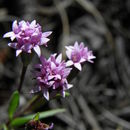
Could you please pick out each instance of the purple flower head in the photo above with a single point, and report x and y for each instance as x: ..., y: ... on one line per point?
x: 51, y: 76
x: 43, y: 126
x: 37, y: 125
x: 28, y: 36
x: 78, y: 54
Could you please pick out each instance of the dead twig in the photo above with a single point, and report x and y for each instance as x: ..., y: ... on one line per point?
x: 88, y: 114
x: 107, y: 114
x: 65, y: 24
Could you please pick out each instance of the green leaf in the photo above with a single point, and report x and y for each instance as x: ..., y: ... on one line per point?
x: 14, y: 102
x: 22, y: 120
x: 67, y: 94
x: 59, y: 95
x: 4, y: 127
x: 36, y: 118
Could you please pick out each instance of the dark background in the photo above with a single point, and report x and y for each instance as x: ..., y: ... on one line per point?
x: 100, y: 98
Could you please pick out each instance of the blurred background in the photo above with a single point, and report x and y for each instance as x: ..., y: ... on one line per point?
x: 100, y: 98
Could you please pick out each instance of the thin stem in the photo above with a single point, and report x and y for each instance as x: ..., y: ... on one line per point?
x: 22, y: 77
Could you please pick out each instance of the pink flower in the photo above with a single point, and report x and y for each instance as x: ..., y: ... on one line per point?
x: 78, y: 54
x: 51, y: 76
x: 37, y: 125
x: 28, y: 36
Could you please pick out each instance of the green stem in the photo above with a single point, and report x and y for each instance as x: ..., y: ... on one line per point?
x: 22, y: 77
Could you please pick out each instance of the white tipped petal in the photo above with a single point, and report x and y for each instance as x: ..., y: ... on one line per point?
x: 12, y: 37
x: 59, y: 58
x: 33, y: 23
x: 37, y: 50
x: 9, y: 44
x: 44, y: 40
x: 69, y: 86
x: 69, y: 48
x: 9, y: 34
x: 46, y: 34
x: 24, y: 25
x: 68, y: 53
x: 18, y: 52
x: 57, y: 76
x: 35, y: 90
x: 14, y: 25
x: 76, y: 45
x: 82, y: 60
x: 54, y: 54
x: 13, y: 45
x: 63, y: 94
x: 53, y: 65
x: 50, y: 77
x: 46, y: 94
x: 69, y: 63
x: 92, y: 57
x: 78, y: 66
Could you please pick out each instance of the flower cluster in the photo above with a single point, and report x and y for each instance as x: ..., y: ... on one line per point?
x: 37, y: 125
x: 27, y: 36
x: 78, y: 54
x: 51, y: 76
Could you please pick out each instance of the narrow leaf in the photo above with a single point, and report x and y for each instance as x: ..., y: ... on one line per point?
x: 5, y: 127
x: 22, y: 120
x: 36, y: 118
x: 14, y: 102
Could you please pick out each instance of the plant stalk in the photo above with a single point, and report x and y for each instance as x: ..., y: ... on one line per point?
x: 22, y: 77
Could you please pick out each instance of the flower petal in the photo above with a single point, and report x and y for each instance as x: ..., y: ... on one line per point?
x: 69, y: 63
x: 44, y: 40
x: 50, y: 77
x: 53, y: 65
x: 91, y: 58
x: 57, y: 77
x: 27, y: 47
x: 76, y: 45
x: 51, y: 126
x: 33, y: 23
x: 63, y: 93
x: 46, y: 34
x: 81, y: 45
x: 15, y: 27
x: 18, y: 52
x: 78, y: 66
x: 13, y: 45
x: 35, y: 90
x: 59, y: 58
x: 68, y: 53
x: 69, y: 86
x: 82, y: 60
x: 12, y: 38
x: 37, y: 50
x: 45, y: 93
x: 9, y: 34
